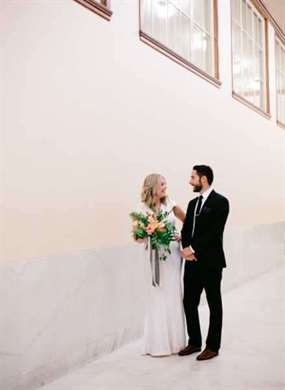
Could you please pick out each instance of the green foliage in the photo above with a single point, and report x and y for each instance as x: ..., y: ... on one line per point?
x: 160, y: 238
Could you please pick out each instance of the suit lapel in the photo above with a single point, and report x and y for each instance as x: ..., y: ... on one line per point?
x: 208, y: 201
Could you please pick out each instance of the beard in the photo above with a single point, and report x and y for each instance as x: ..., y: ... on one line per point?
x: 197, y: 188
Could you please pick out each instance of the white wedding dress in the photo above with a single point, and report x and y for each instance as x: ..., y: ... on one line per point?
x: 164, y: 327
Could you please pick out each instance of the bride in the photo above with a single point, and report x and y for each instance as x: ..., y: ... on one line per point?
x: 164, y: 327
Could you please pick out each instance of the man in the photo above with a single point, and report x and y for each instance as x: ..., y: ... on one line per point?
x: 202, y: 240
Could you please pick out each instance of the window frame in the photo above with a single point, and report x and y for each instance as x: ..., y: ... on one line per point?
x: 260, y: 11
x: 279, y: 38
x: 163, y: 49
x: 97, y: 7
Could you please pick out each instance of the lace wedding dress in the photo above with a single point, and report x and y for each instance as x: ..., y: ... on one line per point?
x: 164, y: 326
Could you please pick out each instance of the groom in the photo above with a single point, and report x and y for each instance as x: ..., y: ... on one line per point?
x: 202, y: 240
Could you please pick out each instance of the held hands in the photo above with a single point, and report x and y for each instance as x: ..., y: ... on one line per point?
x: 188, y: 255
x: 177, y: 237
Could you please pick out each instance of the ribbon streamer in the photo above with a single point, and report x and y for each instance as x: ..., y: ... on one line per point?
x: 154, y: 264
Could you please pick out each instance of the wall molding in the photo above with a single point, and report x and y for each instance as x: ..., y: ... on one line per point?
x: 99, y: 9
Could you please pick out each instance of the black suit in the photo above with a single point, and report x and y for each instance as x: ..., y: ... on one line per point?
x: 206, y: 273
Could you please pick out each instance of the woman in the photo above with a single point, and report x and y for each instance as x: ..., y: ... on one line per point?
x: 164, y: 328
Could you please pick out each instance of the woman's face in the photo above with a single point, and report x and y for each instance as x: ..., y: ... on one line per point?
x: 161, y: 188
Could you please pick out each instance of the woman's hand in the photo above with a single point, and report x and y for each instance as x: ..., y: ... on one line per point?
x: 177, y: 237
x: 187, y: 254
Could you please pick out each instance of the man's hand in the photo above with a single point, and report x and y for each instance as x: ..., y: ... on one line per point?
x: 187, y: 254
x: 191, y: 258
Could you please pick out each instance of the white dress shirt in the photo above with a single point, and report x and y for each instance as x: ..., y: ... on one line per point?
x: 205, y: 195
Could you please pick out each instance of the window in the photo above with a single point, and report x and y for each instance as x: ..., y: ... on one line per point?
x: 100, y: 7
x: 184, y: 30
x: 280, y: 80
x: 249, y: 54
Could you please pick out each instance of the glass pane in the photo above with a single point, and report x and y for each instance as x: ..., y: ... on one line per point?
x: 277, y: 55
x: 237, y: 57
x: 255, y: 27
x: 243, y: 14
x: 258, y: 27
x: 282, y: 60
x: 178, y: 31
x: 278, y: 83
x: 261, y: 76
x: 202, y: 13
x: 249, y: 20
x: 208, y: 57
x: 279, y: 115
x: 172, y: 23
x: 159, y: 16
x: 260, y: 64
x: 146, y: 16
x: 257, y: 78
x: 184, y: 5
x: 283, y: 101
x: 280, y: 80
x: 200, y: 49
x: 236, y: 10
x: 280, y: 96
x: 281, y: 87
x: 281, y: 110
x: 245, y: 64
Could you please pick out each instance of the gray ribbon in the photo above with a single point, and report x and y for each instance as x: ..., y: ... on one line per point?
x: 154, y: 265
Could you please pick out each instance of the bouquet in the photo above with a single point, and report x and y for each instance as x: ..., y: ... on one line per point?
x: 157, y: 229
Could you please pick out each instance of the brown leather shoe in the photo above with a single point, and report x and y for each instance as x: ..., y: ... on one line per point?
x: 188, y: 350
x: 207, y: 354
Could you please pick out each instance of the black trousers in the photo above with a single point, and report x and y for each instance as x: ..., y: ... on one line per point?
x: 197, y: 278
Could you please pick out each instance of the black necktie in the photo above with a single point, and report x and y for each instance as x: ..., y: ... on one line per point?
x: 199, y: 204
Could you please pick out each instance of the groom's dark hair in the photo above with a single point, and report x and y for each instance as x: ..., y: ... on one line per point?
x: 204, y: 170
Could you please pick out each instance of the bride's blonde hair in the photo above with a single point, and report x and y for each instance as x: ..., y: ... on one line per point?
x: 149, y: 189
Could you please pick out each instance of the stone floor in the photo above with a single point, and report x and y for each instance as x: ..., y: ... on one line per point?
x: 252, y: 355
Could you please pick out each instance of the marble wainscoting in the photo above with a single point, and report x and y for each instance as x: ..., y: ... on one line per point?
x: 59, y: 312
x: 252, y: 251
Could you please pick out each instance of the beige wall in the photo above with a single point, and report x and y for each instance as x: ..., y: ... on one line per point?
x: 90, y: 110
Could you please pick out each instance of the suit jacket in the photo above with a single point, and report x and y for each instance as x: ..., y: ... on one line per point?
x: 207, y: 240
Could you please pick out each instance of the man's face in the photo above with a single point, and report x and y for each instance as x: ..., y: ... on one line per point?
x: 195, y: 181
